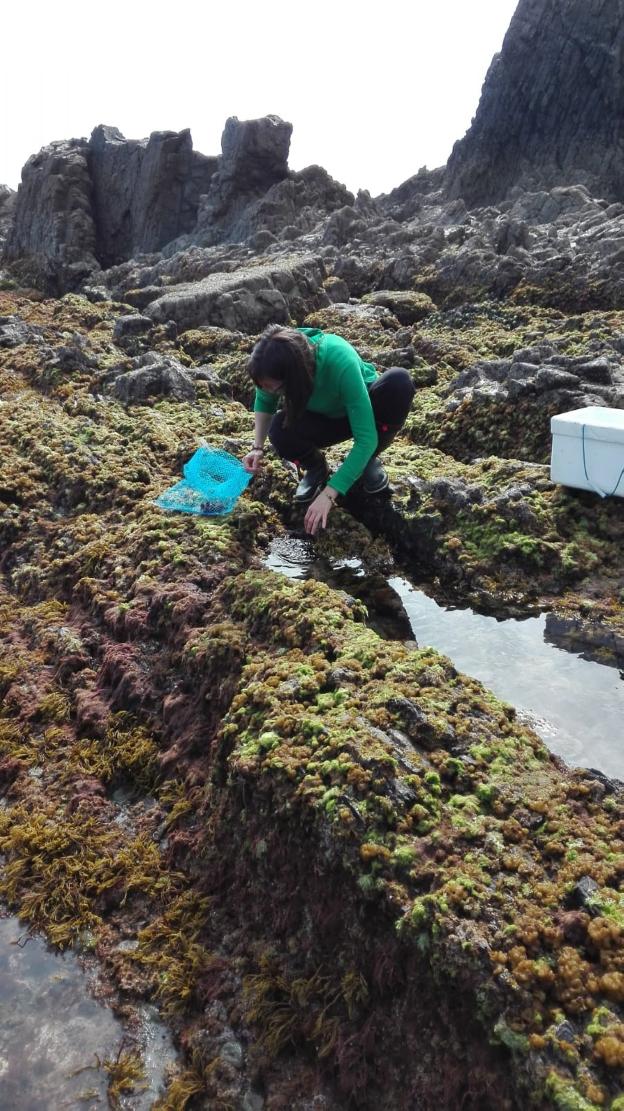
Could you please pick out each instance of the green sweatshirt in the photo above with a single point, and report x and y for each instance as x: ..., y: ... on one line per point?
x: 340, y: 380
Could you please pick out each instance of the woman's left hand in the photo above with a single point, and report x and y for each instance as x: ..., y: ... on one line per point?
x: 318, y: 512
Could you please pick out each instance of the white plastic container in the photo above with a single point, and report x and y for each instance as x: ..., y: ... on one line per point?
x: 588, y: 450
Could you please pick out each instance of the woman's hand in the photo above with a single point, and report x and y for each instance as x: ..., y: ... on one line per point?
x: 318, y: 512
x: 253, y: 460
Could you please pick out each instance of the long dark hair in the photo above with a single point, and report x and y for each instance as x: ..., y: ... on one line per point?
x: 287, y: 356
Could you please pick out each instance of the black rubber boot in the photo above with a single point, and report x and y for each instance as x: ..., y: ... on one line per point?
x: 315, y: 477
x: 374, y: 478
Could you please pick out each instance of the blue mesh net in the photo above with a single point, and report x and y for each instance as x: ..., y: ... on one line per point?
x: 212, y: 484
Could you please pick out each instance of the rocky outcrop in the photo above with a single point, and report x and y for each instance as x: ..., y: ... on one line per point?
x: 504, y: 406
x: 253, y: 195
x: 83, y: 206
x: 153, y: 375
x: 551, y: 110
x: 546, y: 148
x: 559, y: 247
x: 52, y: 240
x: 254, y: 157
x: 7, y: 206
x: 145, y: 193
x: 247, y: 299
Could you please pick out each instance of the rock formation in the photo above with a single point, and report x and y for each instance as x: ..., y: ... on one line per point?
x: 546, y: 144
x: 145, y: 193
x: 52, y: 238
x: 7, y: 206
x: 552, y: 107
x: 85, y: 206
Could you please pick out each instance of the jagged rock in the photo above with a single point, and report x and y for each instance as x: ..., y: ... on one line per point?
x: 360, y: 274
x: 52, y: 240
x: 262, y: 239
x: 299, y: 201
x: 145, y: 192
x: 127, y: 327
x: 454, y: 492
x: 583, y: 893
x: 596, y: 370
x: 337, y: 290
x: 14, y: 332
x: 69, y: 358
x: 8, y: 198
x: 343, y: 226
x: 254, y: 197
x: 152, y: 375
x: 545, y: 207
x: 408, y: 307
x: 248, y: 299
x: 407, y: 199
x: 254, y: 157
x: 82, y: 205
x: 539, y: 370
x: 551, y: 107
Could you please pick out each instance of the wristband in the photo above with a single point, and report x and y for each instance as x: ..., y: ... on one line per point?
x: 260, y: 449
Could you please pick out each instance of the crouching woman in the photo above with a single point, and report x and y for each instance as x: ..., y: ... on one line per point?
x: 313, y: 390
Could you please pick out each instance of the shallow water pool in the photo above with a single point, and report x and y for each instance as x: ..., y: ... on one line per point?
x: 576, y: 706
x: 54, y: 1036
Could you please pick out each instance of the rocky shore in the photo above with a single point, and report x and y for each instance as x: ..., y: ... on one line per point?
x: 347, y: 874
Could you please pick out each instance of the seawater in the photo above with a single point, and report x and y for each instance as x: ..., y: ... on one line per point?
x: 54, y: 1036
x: 575, y: 705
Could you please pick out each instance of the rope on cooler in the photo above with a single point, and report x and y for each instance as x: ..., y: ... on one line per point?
x: 593, y: 485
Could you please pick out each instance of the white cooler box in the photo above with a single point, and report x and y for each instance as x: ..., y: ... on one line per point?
x: 588, y: 450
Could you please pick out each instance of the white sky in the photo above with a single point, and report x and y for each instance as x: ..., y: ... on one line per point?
x: 374, y: 91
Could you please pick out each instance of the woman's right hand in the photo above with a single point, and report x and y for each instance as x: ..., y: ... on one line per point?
x: 253, y: 461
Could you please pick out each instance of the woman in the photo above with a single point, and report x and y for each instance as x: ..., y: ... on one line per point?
x: 329, y: 394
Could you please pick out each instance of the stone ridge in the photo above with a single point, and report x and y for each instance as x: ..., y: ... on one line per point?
x: 552, y: 106
x: 87, y: 206
x: 83, y: 205
x: 145, y: 192
x: 248, y: 299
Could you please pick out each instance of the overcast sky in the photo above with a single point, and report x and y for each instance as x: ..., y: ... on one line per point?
x: 374, y: 92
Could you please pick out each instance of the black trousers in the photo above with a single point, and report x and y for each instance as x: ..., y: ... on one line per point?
x: 391, y: 396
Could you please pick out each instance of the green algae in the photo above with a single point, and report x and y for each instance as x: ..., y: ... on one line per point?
x: 403, y: 775
x: 564, y: 1095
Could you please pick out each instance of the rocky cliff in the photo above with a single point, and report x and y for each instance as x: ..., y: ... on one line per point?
x: 550, y: 116
x: 7, y: 206
x: 552, y: 107
x: 86, y: 206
